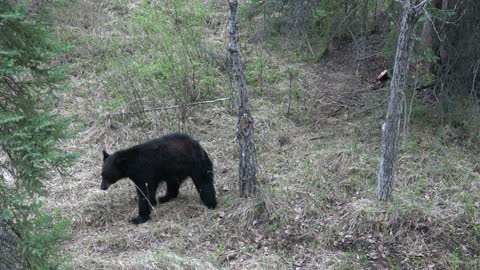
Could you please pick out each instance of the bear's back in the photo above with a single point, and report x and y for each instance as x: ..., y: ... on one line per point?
x: 172, y: 147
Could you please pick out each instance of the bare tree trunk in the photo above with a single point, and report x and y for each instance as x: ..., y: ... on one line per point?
x: 10, y: 259
x: 391, y: 127
x: 247, y: 167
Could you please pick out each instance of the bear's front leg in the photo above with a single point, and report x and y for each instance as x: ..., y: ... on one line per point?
x: 143, y: 205
x: 139, y: 220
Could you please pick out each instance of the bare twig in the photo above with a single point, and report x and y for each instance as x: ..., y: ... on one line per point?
x: 369, y: 56
x: 146, y: 198
x: 174, y: 107
x: 431, y: 18
x: 317, y: 138
x: 475, y: 72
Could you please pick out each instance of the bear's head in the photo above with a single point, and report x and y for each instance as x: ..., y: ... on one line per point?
x: 114, y: 168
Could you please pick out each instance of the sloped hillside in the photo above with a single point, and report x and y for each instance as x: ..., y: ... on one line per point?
x: 317, y: 169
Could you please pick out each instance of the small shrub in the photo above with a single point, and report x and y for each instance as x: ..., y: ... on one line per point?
x: 166, y: 62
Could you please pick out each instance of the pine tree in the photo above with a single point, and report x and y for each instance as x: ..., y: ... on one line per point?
x: 29, y: 129
x: 29, y: 81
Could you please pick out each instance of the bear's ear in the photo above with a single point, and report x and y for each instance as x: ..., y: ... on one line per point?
x: 105, y: 154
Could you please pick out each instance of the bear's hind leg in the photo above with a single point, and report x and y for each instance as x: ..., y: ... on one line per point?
x: 173, y: 185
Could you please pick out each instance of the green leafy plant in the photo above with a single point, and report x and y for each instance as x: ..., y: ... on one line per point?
x: 261, y: 72
x: 168, y: 59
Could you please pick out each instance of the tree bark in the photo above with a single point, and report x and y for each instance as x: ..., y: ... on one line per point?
x: 391, y: 127
x: 10, y: 259
x: 247, y: 166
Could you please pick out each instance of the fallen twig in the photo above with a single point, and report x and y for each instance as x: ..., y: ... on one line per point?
x: 317, y: 138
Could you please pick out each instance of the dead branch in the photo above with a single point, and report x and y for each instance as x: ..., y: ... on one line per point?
x: 173, y: 107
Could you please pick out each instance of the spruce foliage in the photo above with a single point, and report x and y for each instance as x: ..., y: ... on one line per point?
x: 30, y: 129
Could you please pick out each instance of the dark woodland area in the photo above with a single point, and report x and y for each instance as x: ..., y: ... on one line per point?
x: 317, y: 134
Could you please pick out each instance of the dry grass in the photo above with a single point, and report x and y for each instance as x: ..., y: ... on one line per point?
x: 317, y: 173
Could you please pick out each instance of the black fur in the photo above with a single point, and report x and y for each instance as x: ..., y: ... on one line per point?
x: 171, y: 158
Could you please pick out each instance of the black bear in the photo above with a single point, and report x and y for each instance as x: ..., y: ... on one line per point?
x: 171, y: 158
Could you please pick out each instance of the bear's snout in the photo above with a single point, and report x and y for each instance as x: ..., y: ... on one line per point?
x: 104, y: 186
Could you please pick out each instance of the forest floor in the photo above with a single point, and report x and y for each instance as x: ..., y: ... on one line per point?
x: 317, y: 175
